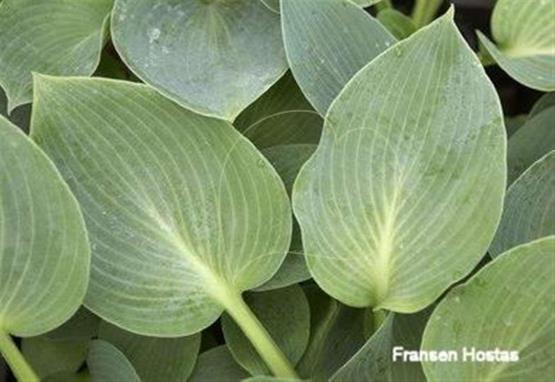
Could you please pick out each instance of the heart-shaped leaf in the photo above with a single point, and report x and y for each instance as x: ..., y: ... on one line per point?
x: 398, y: 202
x: 217, y: 365
x: 154, y: 359
x: 183, y: 212
x: 47, y: 356
x: 327, y: 42
x: 53, y: 37
x: 523, y: 31
x: 507, y: 306
x: 529, y: 211
x: 210, y: 56
x: 285, y: 314
x: 374, y: 361
x: 107, y: 364
x: 44, y: 252
x: 529, y: 143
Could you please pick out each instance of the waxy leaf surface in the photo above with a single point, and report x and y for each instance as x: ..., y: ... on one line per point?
x: 107, y: 364
x: 523, y: 31
x: 214, y: 57
x: 403, y: 195
x: 327, y: 42
x: 154, y: 359
x: 529, y: 211
x: 183, y: 212
x: 44, y: 251
x: 57, y: 37
x: 217, y: 365
x: 511, y: 305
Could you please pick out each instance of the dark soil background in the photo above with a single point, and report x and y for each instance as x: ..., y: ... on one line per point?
x: 470, y: 15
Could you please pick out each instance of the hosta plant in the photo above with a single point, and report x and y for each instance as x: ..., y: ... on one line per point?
x: 276, y: 190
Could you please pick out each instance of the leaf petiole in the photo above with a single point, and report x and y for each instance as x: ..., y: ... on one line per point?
x: 424, y: 11
x: 274, y: 358
x: 21, y: 369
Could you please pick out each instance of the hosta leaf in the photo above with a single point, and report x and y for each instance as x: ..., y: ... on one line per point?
x: 508, y: 305
x: 545, y: 102
x: 287, y: 160
x: 48, y: 357
x: 398, y: 202
x: 512, y: 124
x: 336, y: 333
x: 523, y: 31
x: 183, y: 213
x: 400, y: 25
x: 266, y: 378
x: 327, y: 42
x: 65, y: 376
x: 529, y: 143
x: 44, y: 252
x: 20, y: 117
x: 154, y: 359
x: 529, y: 211
x: 285, y: 315
x: 83, y: 325
x: 107, y: 364
x: 213, y: 57
x: 56, y: 37
x: 217, y: 365
x: 281, y: 116
x: 374, y: 361
x: 274, y: 4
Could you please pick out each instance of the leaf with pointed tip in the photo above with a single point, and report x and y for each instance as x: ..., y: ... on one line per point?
x: 57, y: 37
x: 326, y: 43
x: 107, y: 364
x: 373, y: 362
x: 154, y: 359
x: 47, y: 356
x: 183, y: 212
x: 399, y: 202
x: 287, y: 160
x: 217, y: 365
x: 274, y: 4
x: 525, y: 41
x: 83, y: 325
x: 400, y: 25
x: 285, y: 315
x: 529, y: 143
x: 44, y: 251
x: 529, y: 211
x: 545, y: 102
x: 507, y: 305
x: 336, y: 333
x: 281, y: 116
x: 212, y: 57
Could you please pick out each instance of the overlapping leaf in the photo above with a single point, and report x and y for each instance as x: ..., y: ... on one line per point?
x: 529, y: 211
x: 107, y: 364
x: 154, y: 359
x: 327, y: 42
x: 404, y: 192
x: 183, y: 212
x: 57, y: 37
x: 44, y: 252
x: 529, y: 143
x: 218, y: 365
x: 286, y: 316
x: 374, y: 362
x: 511, y: 305
x: 523, y: 31
x: 400, y: 25
x: 214, y: 57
